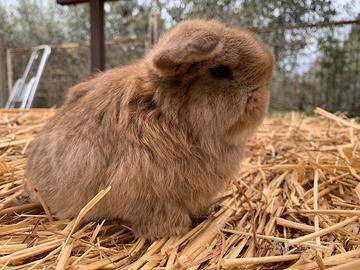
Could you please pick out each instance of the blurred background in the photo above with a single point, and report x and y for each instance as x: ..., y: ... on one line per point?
x: 316, y: 43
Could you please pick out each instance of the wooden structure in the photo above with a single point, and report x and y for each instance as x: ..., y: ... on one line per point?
x: 153, y: 30
x: 97, y: 42
x: 4, y: 94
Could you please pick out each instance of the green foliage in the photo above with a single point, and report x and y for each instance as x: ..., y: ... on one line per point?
x: 126, y: 18
x: 338, y: 70
x: 31, y: 22
x: 28, y: 24
x: 259, y: 13
x: 252, y: 12
x: 75, y: 21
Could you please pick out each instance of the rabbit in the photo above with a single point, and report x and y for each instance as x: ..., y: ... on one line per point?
x: 167, y: 133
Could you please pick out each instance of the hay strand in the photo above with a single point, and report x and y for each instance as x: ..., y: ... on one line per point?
x: 259, y: 260
x: 322, y: 232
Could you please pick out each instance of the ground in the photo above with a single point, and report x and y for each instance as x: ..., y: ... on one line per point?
x: 294, y: 205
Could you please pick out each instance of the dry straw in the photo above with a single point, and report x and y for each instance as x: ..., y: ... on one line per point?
x: 295, y: 204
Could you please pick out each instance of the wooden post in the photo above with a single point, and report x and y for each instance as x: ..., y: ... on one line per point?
x: 4, y: 94
x: 97, y: 35
x: 9, y: 70
x: 97, y: 47
x: 153, y: 30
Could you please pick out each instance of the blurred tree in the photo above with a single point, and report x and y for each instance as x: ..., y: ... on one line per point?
x: 29, y: 23
x: 126, y: 18
x: 352, y: 69
x: 259, y: 13
x: 76, y: 22
x: 335, y: 80
x: 282, y: 13
x: 33, y: 22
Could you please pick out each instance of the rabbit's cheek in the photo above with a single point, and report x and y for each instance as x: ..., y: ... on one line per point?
x: 240, y: 131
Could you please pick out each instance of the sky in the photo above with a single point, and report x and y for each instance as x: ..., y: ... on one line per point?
x: 352, y: 8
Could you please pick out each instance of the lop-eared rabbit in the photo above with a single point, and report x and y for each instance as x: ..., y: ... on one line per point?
x: 166, y: 133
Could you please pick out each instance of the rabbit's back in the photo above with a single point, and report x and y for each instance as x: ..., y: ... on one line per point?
x: 68, y: 160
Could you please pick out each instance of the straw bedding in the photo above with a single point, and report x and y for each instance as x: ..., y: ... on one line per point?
x: 294, y: 205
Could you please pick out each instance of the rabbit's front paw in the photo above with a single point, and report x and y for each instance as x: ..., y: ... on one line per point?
x: 159, y: 227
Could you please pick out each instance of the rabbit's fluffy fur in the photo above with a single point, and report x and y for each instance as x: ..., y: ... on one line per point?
x: 166, y: 133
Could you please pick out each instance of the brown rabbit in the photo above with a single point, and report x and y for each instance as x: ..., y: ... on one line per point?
x: 166, y: 133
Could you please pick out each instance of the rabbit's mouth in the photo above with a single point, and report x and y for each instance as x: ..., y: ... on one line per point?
x: 249, y: 99
x: 250, y: 104
x: 250, y: 88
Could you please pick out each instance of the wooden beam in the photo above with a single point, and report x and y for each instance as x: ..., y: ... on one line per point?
x: 97, y: 47
x: 75, y: 2
x: 83, y: 44
x: 71, y: 2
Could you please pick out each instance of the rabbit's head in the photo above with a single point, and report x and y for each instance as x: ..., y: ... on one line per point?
x: 219, y: 75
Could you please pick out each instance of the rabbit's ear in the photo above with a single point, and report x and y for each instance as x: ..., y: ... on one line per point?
x: 178, y: 52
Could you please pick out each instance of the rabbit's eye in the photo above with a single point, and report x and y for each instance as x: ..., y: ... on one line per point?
x: 221, y: 72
